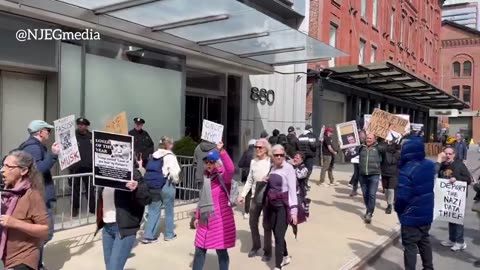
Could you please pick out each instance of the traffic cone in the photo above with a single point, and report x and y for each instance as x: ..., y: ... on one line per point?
x: 471, y: 141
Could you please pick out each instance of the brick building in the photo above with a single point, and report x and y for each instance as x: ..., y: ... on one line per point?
x: 460, y: 69
x: 403, y: 32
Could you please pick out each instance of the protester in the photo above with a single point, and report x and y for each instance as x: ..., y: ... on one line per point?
x: 389, y: 167
x: 460, y: 147
x: 119, y: 214
x: 161, y: 176
x: 274, y: 138
x: 264, y: 135
x: 143, y: 143
x: 199, y: 154
x: 292, y: 142
x: 308, y: 144
x: 415, y: 202
x: 301, y: 173
x: 84, y: 140
x: 328, y: 158
x: 24, y: 219
x: 215, y: 223
x: 35, y: 145
x: 280, y: 207
x: 353, y: 156
x: 453, y: 169
x: 259, y: 169
x: 244, y: 165
x: 370, y: 159
x: 283, y: 141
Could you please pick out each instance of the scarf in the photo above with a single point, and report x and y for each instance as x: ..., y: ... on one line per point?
x: 205, y: 204
x: 9, y: 201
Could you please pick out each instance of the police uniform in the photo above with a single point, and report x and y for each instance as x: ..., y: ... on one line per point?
x: 143, y: 143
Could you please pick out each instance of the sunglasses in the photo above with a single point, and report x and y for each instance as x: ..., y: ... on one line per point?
x: 279, y: 155
x: 209, y: 162
x: 259, y: 147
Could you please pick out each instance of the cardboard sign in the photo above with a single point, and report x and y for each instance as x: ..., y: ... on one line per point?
x: 112, y: 159
x: 348, y: 134
x: 118, y: 124
x: 65, y: 136
x: 212, y: 131
x: 388, y: 126
x: 450, y: 201
x: 322, y: 134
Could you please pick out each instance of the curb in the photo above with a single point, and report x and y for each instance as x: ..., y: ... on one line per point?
x: 358, y: 262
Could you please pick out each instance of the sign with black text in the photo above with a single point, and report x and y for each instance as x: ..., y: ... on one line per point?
x: 212, y: 131
x: 112, y: 159
x: 65, y: 136
x: 450, y: 201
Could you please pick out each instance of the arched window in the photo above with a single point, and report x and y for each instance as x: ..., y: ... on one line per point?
x: 456, y: 69
x: 467, y: 68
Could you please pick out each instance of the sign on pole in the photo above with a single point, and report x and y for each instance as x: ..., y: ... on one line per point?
x: 212, y: 131
x: 65, y: 136
x: 348, y: 134
x: 389, y: 126
x: 450, y: 200
x: 118, y: 124
x: 112, y: 159
x: 322, y: 134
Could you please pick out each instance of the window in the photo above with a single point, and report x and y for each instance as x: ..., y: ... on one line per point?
x: 361, y: 52
x: 392, y: 25
x: 332, y: 41
x: 402, y: 26
x: 456, y: 69
x: 466, y: 93
x: 467, y: 68
x: 456, y: 91
x: 363, y: 8
x: 373, y: 54
x: 374, y: 12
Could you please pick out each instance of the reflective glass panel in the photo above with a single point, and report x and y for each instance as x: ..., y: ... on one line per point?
x: 93, y: 4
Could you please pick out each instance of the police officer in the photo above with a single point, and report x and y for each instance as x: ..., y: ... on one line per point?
x: 143, y: 144
x: 84, y: 141
x: 308, y: 144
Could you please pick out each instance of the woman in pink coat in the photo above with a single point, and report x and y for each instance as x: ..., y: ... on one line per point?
x: 215, y: 223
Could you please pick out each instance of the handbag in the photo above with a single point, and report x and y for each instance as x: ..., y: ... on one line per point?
x: 261, y: 191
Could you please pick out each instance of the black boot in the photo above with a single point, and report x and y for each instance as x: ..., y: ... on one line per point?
x: 388, y: 211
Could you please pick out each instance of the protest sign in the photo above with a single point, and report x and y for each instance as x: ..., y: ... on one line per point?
x: 212, y: 131
x: 450, y: 200
x: 348, y: 134
x: 322, y: 134
x: 388, y: 126
x: 118, y: 124
x: 112, y: 159
x: 65, y: 136
x: 416, y: 127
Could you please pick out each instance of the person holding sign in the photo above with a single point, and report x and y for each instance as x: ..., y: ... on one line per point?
x: 414, y: 203
x: 452, y: 168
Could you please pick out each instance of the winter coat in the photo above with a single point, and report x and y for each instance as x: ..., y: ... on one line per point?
x: 370, y: 160
x: 142, y: 143
x: 220, y: 231
x: 456, y: 169
x: 415, y: 197
x: 308, y: 144
x: 245, y: 160
x: 84, y: 142
x: 273, y: 140
x: 460, y: 150
x: 200, y: 152
x: 292, y: 145
x: 390, y: 160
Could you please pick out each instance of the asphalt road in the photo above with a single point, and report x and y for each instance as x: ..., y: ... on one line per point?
x: 444, y: 259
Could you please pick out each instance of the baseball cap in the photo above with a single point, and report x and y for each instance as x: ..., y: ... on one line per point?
x: 83, y: 121
x: 308, y: 127
x: 212, y: 156
x: 252, y: 142
x: 37, y: 125
x: 328, y: 130
x: 291, y: 129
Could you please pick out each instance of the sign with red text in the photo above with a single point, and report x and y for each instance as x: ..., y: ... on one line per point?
x: 65, y: 136
x: 450, y: 200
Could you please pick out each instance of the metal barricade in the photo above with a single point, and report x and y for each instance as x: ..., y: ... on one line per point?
x: 185, y: 160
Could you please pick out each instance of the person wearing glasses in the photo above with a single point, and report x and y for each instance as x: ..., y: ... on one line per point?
x: 280, y: 206
x: 35, y: 145
x: 259, y: 168
x: 215, y: 223
x: 24, y: 218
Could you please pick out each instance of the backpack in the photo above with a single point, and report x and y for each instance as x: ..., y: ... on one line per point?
x: 233, y: 194
x: 154, y: 177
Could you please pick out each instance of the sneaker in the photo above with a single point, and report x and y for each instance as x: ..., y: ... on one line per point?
x: 322, y: 185
x: 276, y: 268
x: 171, y: 238
x: 476, y: 264
x: 353, y: 194
x: 447, y: 243
x: 286, y: 260
x: 246, y: 216
x: 148, y: 241
x: 252, y: 253
x: 388, y: 211
x: 350, y: 185
x: 266, y: 258
x: 368, y: 218
x: 459, y: 247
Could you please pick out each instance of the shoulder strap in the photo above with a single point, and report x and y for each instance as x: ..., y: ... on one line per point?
x: 224, y: 186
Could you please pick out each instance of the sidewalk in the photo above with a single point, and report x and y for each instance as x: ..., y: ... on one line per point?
x: 335, y: 237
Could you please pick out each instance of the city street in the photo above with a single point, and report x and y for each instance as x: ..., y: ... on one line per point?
x: 444, y: 258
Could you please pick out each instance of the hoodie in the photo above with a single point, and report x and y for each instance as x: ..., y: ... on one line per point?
x: 199, y: 154
x: 170, y: 164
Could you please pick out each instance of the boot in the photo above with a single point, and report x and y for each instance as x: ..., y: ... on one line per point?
x: 388, y: 211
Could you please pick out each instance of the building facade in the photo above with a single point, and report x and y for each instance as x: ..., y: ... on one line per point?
x: 464, y: 13
x: 460, y: 58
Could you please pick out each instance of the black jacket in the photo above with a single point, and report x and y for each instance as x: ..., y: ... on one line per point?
x: 129, y: 207
x: 390, y: 160
x: 308, y: 144
x: 455, y: 169
x: 142, y: 142
x: 84, y: 142
x: 245, y: 161
x: 292, y: 145
x: 273, y: 140
x: 352, y: 152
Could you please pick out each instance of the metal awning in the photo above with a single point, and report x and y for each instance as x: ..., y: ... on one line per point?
x: 391, y: 80
x: 224, y: 25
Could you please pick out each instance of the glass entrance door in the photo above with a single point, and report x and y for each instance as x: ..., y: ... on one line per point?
x: 198, y: 108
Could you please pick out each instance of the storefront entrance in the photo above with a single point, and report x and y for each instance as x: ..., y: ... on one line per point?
x: 200, y: 107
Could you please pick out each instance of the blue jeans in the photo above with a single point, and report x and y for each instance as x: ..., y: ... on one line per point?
x: 199, y: 259
x: 154, y: 213
x: 355, y: 177
x: 115, y: 249
x: 455, y: 232
x: 51, y: 225
x: 369, y: 185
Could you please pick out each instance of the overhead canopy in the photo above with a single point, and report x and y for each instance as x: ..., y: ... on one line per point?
x: 225, y: 25
x: 391, y: 80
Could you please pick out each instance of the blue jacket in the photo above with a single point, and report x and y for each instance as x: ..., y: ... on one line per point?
x: 44, y: 161
x: 460, y: 150
x: 415, y: 197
